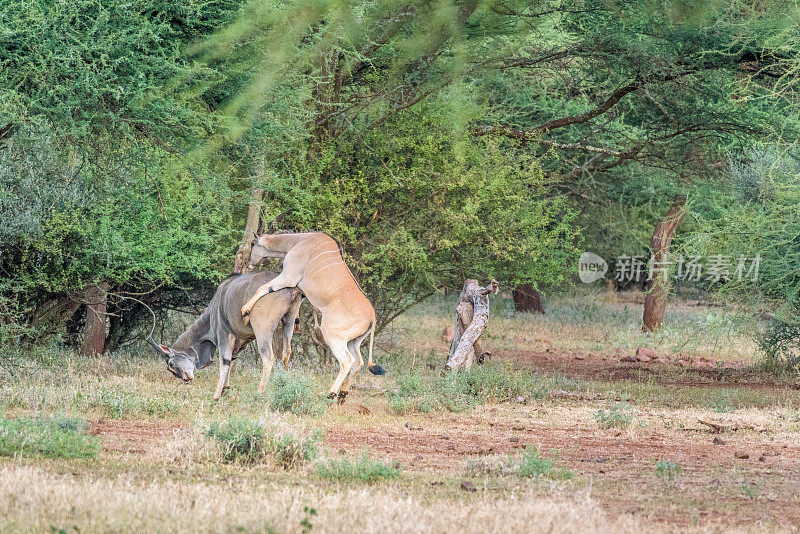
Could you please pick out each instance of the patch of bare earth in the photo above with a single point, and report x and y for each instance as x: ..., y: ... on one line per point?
x: 604, y: 366
x: 620, y: 464
x: 133, y: 436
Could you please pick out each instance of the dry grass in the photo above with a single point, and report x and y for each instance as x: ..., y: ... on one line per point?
x: 159, y: 471
x: 35, y: 500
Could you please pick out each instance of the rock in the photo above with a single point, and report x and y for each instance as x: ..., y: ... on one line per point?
x: 646, y: 354
x: 362, y: 410
x: 451, y: 447
x: 447, y: 334
x: 741, y: 455
x: 719, y: 441
x: 630, y: 359
x: 466, y: 485
x: 684, y: 363
x: 513, y: 439
x: 418, y: 457
x: 580, y: 357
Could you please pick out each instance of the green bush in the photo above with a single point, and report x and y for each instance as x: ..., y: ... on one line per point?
x: 364, y: 469
x: 668, y: 470
x: 242, y: 440
x: 618, y: 415
x: 51, y: 437
x: 294, y: 393
x: 532, y: 464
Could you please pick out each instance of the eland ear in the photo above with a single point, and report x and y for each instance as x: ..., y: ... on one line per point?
x: 160, y: 349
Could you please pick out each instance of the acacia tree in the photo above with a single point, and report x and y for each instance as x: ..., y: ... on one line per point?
x: 594, y: 90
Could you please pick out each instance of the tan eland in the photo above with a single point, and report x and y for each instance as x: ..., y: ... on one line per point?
x: 312, y: 262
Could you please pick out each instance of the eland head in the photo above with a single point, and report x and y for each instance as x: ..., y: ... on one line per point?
x: 179, y: 363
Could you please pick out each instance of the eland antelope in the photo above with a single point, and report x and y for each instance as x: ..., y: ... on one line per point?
x: 221, y: 327
x: 312, y: 262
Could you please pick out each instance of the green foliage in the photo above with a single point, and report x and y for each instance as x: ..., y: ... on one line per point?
x: 533, y: 464
x: 50, y: 437
x: 243, y: 440
x: 457, y: 392
x: 363, y: 469
x: 667, y: 470
x: 415, y: 211
x: 618, y: 415
x: 293, y: 392
x: 246, y: 441
x: 106, y: 78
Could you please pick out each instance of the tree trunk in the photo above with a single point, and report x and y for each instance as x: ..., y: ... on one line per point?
x: 655, y: 302
x: 527, y: 299
x: 96, y: 298
x: 241, y: 264
x: 472, y: 317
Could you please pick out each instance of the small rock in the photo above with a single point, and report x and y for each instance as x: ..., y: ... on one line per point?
x: 362, y: 410
x: 418, y: 457
x: 741, y: 455
x: 466, y: 485
x: 646, y: 354
x: 519, y: 400
x: 630, y: 359
x: 447, y: 334
x: 513, y: 439
x: 517, y: 428
x: 719, y: 441
x: 451, y: 447
x: 580, y: 357
x: 762, y: 458
x: 683, y: 363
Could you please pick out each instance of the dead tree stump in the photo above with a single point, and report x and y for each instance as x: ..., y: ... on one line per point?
x: 96, y: 299
x: 472, y: 317
x: 527, y: 299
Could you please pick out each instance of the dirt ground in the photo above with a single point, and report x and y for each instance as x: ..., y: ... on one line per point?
x: 719, y: 464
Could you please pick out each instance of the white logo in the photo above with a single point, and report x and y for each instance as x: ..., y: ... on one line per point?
x: 591, y: 267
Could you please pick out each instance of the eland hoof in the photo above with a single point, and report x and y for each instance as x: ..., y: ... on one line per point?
x: 341, y: 397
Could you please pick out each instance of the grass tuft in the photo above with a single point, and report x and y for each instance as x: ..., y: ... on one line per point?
x: 618, y: 415
x: 246, y: 441
x: 294, y: 393
x: 51, y: 437
x: 533, y: 464
x: 364, y: 469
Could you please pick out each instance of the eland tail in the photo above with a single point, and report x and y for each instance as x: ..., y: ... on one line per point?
x: 374, y: 368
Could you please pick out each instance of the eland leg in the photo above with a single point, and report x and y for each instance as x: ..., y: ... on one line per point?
x: 339, y: 349
x: 225, y: 348
x: 354, y: 348
x: 282, y: 281
x: 264, y: 342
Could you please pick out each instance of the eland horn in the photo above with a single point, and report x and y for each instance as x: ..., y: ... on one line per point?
x: 158, y: 348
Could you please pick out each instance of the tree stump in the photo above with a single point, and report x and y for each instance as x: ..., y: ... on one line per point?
x: 472, y: 317
x: 527, y: 299
x: 241, y: 264
x: 96, y: 305
x: 655, y: 302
